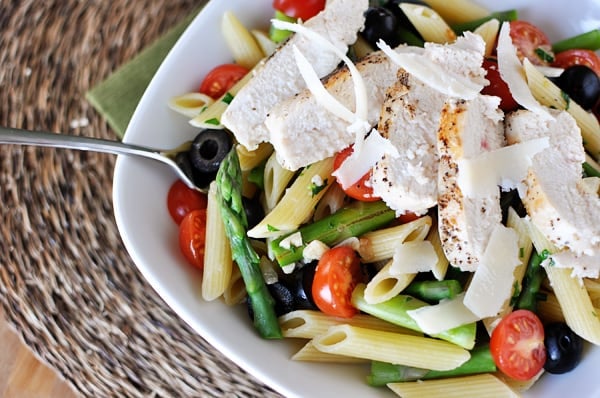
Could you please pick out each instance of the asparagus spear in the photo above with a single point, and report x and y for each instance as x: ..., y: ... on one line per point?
x: 434, y: 291
x: 350, y: 221
x: 395, y: 311
x: 481, y: 361
x: 532, y: 281
x: 229, y: 182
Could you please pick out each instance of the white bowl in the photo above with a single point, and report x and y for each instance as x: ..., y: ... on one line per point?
x: 150, y: 236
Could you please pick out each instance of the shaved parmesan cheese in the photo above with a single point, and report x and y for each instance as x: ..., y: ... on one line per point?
x: 493, y: 280
x: 511, y: 71
x: 414, y: 256
x: 294, y: 240
x: 506, y: 166
x: 314, y: 250
x: 448, y: 314
x: 432, y: 74
x: 364, y: 158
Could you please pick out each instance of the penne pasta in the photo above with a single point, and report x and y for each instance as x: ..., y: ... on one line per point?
x: 332, y: 201
x: 241, y: 42
x: 458, y: 11
x: 549, y: 309
x: 574, y: 300
x: 440, y: 269
x: 218, y: 263
x: 251, y: 159
x: 309, y: 324
x: 190, y: 104
x: 518, y: 385
x: 210, y: 117
x: 547, y: 93
x: 235, y: 292
x: 476, y: 386
x: 391, y: 347
x: 386, y: 284
x: 430, y: 25
x: 381, y: 245
x: 310, y: 354
x: 298, y: 203
x: 489, y: 33
x: 276, y: 180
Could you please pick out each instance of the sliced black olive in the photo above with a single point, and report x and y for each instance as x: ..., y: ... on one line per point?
x: 209, y: 149
x: 254, y: 211
x: 403, y: 21
x: 581, y: 84
x: 380, y: 23
x: 300, y: 284
x: 563, y: 348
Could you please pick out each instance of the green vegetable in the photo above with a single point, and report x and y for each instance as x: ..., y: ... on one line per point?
x: 257, y: 175
x: 590, y: 171
x: 532, y: 282
x: 347, y: 222
x: 434, y: 291
x: 588, y: 40
x: 395, y: 311
x: 279, y: 35
x: 481, y: 361
x: 229, y: 182
x: 501, y: 16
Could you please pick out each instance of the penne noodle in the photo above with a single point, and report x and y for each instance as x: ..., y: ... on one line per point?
x: 489, y: 33
x: 218, y: 262
x: 251, y: 159
x: 430, y: 25
x: 332, y: 201
x: 547, y: 93
x: 276, y: 180
x: 235, y: 292
x: 381, y: 244
x: 549, y: 309
x: 267, y: 45
x: 518, y: 385
x: 476, y: 386
x: 241, y: 42
x: 190, y: 104
x: 574, y: 300
x: 310, y: 354
x: 385, y: 285
x: 458, y: 11
x: 210, y: 117
x: 440, y: 269
x: 298, y: 202
x: 396, y: 348
x: 309, y: 324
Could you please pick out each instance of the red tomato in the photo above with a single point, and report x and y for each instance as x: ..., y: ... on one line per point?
x: 360, y: 190
x: 567, y: 58
x: 497, y: 86
x: 407, y: 217
x: 337, y: 274
x: 220, y: 79
x: 192, y: 237
x: 303, y: 9
x: 182, y: 199
x: 529, y: 40
x: 517, y: 345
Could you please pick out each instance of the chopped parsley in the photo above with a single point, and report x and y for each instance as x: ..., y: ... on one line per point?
x: 271, y: 228
x: 544, y: 55
x: 567, y: 99
x: 227, y: 98
x: 214, y: 121
x: 315, y: 189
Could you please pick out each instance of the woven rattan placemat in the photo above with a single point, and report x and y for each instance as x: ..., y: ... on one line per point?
x: 67, y: 285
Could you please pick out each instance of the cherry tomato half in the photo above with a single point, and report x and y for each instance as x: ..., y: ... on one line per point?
x: 192, y: 237
x: 517, y: 345
x: 303, y: 9
x: 567, y: 58
x: 337, y: 274
x: 220, y: 79
x: 497, y: 86
x: 360, y: 190
x: 530, y: 41
x: 182, y: 199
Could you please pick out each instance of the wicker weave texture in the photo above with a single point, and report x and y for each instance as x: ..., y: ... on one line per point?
x: 67, y: 284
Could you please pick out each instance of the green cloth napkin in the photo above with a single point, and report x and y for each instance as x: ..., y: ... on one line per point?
x: 117, y: 97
